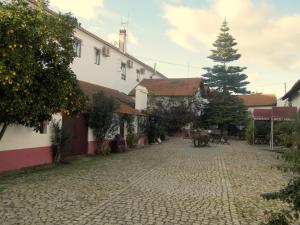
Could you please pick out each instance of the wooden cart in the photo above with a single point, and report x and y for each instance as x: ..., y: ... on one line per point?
x: 200, y: 137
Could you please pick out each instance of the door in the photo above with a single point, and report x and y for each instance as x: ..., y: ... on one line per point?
x: 78, y: 131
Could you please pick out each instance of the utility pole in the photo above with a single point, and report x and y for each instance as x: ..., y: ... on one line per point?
x: 284, y: 87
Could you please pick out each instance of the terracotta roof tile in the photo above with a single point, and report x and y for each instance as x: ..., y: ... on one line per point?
x: 278, y: 113
x: 171, y: 87
x: 125, y: 103
x: 253, y: 100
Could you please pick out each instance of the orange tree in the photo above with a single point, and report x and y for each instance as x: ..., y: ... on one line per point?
x: 36, y: 50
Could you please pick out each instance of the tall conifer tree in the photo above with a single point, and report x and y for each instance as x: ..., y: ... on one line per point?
x: 225, y: 109
x: 222, y: 77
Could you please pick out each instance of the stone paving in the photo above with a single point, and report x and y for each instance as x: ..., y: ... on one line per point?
x: 171, y: 183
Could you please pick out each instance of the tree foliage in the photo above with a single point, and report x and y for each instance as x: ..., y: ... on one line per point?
x: 224, y: 78
x: 36, y: 50
x: 225, y: 109
x: 175, y: 113
x: 289, y: 194
x: 59, y: 140
x: 289, y: 133
x: 101, y: 117
x: 152, y: 125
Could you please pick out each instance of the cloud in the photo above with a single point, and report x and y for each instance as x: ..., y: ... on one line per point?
x: 87, y: 9
x: 114, y: 38
x: 264, y: 35
x: 252, y: 77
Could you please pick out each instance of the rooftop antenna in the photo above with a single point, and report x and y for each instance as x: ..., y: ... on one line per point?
x: 284, y: 87
x: 154, y: 72
x: 124, y: 23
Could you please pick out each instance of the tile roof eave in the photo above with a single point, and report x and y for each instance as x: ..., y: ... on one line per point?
x: 292, y: 91
x: 145, y: 83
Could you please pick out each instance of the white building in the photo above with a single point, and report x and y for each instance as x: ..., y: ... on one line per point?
x: 101, y: 63
x: 171, y: 92
x: 258, y: 101
x: 292, y: 97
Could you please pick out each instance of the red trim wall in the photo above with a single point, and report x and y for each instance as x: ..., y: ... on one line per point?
x: 91, y: 147
x: 23, y: 158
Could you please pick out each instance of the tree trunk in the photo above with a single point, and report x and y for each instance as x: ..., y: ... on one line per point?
x: 58, y: 155
x: 3, y: 129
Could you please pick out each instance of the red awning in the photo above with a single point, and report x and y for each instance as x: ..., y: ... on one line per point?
x: 278, y: 113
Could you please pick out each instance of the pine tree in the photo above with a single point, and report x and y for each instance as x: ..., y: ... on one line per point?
x: 224, y: 78
x: 225, y: 109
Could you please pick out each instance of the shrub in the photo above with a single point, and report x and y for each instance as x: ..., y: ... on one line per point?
x: 276, y: 219
x: 132, y: 140
x: 101, y: 117
x: 59, y: 141
x: 106, y: 151
x: 249, y: 132
x: 289, y: 133
x: 289, y: 194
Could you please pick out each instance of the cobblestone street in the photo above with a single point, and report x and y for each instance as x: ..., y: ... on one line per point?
x: 171, y: 183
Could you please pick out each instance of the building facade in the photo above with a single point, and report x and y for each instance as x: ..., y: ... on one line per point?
x: 292, y: 97
x: 101, y: 63
x: 97, y: 62
x: 258, y: 101
x: 172, y: 92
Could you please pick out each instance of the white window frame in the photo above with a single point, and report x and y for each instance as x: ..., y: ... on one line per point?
x: 77, y: 47
x: 97, y: 56
x: 44, y: 127
x: 123, y: 71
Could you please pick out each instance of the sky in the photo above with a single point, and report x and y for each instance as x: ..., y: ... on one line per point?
x: 177, y: 35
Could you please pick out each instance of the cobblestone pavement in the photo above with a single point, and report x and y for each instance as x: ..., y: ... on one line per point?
x: 172, y: 183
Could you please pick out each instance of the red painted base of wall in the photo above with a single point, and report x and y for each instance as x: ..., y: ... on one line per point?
x: 23, y: 158
x: 142, y: 141
x: 92, y: 146
x: 182, y: 133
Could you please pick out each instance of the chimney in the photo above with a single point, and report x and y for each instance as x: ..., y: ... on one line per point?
x: 141, y: 98
x: 122, y: 40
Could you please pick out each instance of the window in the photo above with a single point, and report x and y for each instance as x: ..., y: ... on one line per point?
x: 138, y: 75
x: 77, y: 47
x: 44, y: 126
x: 123, y: 71
x: 97, y: 56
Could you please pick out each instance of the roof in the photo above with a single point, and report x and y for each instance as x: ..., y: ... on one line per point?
x: 171, y: 87
x: 278, y: 113
x: 252, y: 100
x: 292, y: 91
x: 125, y: 103
x: 107, y: 43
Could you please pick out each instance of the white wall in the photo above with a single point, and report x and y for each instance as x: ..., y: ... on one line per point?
x: 296, y: 101
x: 141, y: 98
x: 110, y: 135
x: 20, y: 137
x: 251, y: 109
x: 108, y: 73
